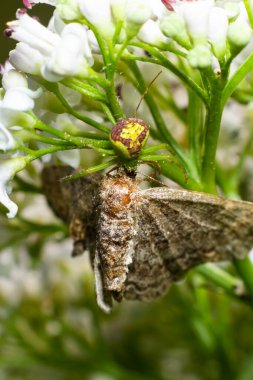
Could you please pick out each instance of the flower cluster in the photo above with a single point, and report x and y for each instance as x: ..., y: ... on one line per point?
x: 61, y: 81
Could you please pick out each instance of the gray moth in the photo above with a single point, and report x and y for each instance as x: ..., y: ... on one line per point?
x: 141, y: 241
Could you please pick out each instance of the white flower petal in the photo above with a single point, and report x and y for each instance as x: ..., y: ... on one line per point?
x: 8, y: 169
x: 196, y: 15
x: 27, y: 59
x: 20, y: 99
x: 80, y: 33
x: 138, y: 11
x: 151, y: 33
x: 6, y: 139
x: 98, y: 13
x: 13, y: 79
x: 30, y: 31
x: 218, y: 27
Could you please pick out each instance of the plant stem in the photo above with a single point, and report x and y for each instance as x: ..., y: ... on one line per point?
x: 173, y: 170
x: 245, y: 270
x: 78, y: 115
x: 249, y: 11
x: 162, y: 60
x: 236, y: 79
x: 85, y: 89
x: 90, y: 170
x: 218, y: 276
x: 78, y: 142
x: 212, y: 129
x: 194, y: 129
x: 160, y: 124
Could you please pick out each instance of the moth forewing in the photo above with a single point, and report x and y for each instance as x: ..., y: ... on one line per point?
x: 203, y: 223
x: 74, y: 202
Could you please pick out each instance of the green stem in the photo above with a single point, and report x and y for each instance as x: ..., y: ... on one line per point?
x: 245, y: 270
x: 91, y: 170
x: 236, y: 79
x: 194, y: 129
x: 212, y: 129
x: 29, y: 135
x: 78, y: 142
x: 113, y: 99
x: 221, y: 278
x: 34, y: 155
x: 249, y: 11
x: 85, y: 89
x: 151, y: 149
x: 173, y: 170
x: 78, y: 115
x: 163, y: 61
x: 161, y: 126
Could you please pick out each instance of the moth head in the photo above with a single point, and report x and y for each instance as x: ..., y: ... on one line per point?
x: 129, y: 136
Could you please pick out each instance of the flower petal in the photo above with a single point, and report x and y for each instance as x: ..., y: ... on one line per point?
x: 6, y: 139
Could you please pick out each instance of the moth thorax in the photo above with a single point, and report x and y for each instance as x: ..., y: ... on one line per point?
x: 115, y: 194
x: 129, y: 136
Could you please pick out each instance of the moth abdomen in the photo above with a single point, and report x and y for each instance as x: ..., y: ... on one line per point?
x: 115, y: 230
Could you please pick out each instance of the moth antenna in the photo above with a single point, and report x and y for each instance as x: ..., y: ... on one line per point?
x: 145, y: 93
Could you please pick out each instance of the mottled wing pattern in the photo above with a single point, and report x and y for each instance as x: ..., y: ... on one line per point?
x: 178, y: 229
x: 74, y: 202
x: 58, y: 194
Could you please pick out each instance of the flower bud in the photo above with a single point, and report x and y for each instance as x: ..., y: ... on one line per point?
x: 200, y: 57
x: 173, y: 26
x: 239, y: 35
x: 137, y: 13
x: 68, y: 9
x: 218, y: 26
x: 150, y: 33
x: 118, y: 9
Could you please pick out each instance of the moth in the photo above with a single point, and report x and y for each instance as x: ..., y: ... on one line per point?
x: 141, y: 241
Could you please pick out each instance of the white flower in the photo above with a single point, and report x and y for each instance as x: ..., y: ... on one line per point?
x: 138, y: 11
x: 26, y: 59
x: 6, y: 139
x: 98, y: 13
x: 151, y: 33
x: 200, y: 56
x: 67, y: 59
x: 44, y: 52
x: 239, y: 34
x: 173, y: 26
x: 196, y: 16
x: 133, y: 12
x: 16, y: 98
x: 118, y: 9
x: 8, y: 169
x: 218, y: 26
x: 17, y: 95
x: 158, y: 8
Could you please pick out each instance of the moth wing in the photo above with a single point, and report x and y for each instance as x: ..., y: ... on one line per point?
x: 59, y: 194
x: 178, y: 229
x: 73, y: 202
